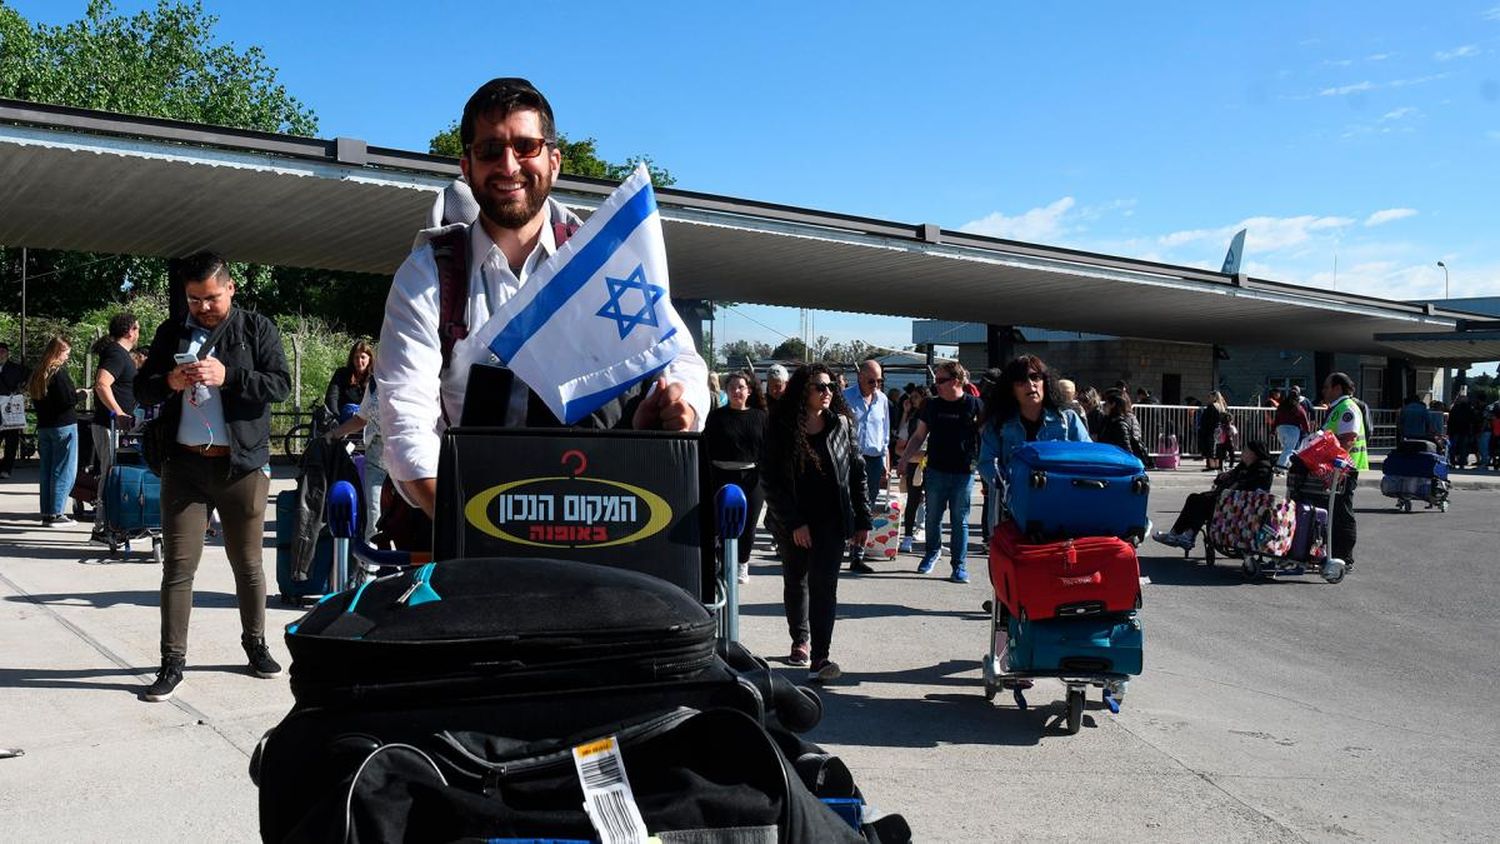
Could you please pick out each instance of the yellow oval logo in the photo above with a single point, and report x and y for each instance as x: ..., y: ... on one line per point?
x: 568, y: 512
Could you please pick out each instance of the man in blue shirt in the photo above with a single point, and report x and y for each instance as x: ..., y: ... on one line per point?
x: 872, y: 428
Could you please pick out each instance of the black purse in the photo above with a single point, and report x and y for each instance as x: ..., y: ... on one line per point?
x: 157, y: 437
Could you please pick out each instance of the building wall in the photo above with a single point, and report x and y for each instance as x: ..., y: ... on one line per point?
x: 1099, y: 364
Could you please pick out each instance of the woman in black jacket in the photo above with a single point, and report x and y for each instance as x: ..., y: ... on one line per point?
x: 347, y: 386
x: 811, y: 466
x: 53, y: 397
x: 1255, y: 472
x: 1120, y: 427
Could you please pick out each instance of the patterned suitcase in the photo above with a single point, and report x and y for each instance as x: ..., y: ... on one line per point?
x: 1105, y: 644
x: 1253, y: 521
x: 1074, y: 577
x: 132, y: 497
x: 1061, y: 489
x: 885, y: 529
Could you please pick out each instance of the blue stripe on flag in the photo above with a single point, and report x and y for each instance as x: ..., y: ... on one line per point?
x: 581, y: 406
x: 572, y: 276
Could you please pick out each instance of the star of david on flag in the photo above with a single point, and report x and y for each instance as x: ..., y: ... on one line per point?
x: 596, y: 318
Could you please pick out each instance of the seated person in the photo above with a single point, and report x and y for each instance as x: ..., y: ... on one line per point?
x: 1254, y: 472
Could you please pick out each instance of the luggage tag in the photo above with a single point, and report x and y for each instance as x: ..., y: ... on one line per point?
x: 607, y: 797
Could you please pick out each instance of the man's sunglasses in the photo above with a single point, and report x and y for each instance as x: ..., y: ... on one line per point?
x: 821, y: 386
x: 493, y: 149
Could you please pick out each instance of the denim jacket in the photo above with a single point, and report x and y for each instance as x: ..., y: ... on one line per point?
x: 997, y: 442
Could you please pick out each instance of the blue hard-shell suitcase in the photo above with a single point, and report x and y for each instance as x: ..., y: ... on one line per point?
x: 132, y: 496
x: 286, y: 529
x: 1103, y: 644
x: 1419, y: 465
x: 1060, y: 489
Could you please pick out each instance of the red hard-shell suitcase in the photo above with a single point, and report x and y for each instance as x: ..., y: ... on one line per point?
x: 1070, y: 578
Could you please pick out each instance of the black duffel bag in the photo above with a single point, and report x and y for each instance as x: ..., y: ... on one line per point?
x: 692, y: 776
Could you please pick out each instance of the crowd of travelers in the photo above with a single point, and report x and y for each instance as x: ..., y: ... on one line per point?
x: 814, y: 452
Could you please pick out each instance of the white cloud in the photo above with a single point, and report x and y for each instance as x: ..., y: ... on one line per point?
x: 1337, y: 63
x: 1389, y: 215
x: 1366, y: 85
x: 1377, y: 57
x: 1464, y: 52
x: 1493, y: 134
x: 1038, y: 225
x: 1265, y: 234
x: 1492, y: 14
x: 1398, y: 113
x: 1406, y: 83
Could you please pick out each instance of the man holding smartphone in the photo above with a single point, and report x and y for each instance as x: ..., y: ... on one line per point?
x: 217, y: 375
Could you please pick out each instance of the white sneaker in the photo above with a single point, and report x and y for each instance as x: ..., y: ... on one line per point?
x: 744, y: 574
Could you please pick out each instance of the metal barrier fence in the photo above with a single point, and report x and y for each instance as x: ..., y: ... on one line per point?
x: 1254, y: 423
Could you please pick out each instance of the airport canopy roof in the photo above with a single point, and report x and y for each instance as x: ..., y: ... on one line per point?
x: 93, y: 181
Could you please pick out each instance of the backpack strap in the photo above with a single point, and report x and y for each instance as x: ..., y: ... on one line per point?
x: 450, y: 251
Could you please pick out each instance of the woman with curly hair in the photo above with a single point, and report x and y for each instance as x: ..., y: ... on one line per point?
x: 815, y: 482
x: 733, y: 436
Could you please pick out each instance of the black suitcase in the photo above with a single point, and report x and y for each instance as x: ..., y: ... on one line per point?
x: 464, y: 628
x: 499, y: 771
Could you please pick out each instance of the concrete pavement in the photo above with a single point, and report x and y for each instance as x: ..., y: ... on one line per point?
x: 1268, y: 711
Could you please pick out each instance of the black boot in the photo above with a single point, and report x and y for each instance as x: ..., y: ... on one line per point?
x: 261, y: 663
x: 166, y: 680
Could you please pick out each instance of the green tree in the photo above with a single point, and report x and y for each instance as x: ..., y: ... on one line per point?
x: 579, y: 158
x: 790, y: 349
x: 161, y: 62
x: 732, y: 355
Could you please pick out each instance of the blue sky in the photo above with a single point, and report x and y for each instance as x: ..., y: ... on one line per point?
x: 1369, y: 130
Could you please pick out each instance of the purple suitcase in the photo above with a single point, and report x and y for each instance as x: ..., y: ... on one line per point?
x: 1308, y: 540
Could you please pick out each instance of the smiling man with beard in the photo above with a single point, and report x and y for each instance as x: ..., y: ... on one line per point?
x: 510, y: 162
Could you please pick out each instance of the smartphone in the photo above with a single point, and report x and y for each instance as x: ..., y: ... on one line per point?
x: 183, y: 358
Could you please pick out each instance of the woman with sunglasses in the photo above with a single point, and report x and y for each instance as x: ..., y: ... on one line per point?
x: 815, y: 482
x: 1019, y: 409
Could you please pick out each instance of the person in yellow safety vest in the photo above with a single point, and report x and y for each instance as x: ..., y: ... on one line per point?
x: 1346, y: 420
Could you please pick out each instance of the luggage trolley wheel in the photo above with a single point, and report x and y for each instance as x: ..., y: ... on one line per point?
x: 1251, y: 565
x: 1334, y: 570
x: 1208, y: 550
x: 1075, y: 709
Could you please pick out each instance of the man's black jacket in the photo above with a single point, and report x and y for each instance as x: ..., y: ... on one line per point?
x: 255, y: 377
x: 12, y: 378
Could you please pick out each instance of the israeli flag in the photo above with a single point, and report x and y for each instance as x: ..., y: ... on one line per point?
x: 597, y: 318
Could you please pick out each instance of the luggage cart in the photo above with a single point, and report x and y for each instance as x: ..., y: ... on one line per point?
x: 119, y: 539
x: 997, y: 675
x: 1257, y: 565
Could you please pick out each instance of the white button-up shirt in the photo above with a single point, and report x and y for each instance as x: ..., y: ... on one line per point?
x: 409, y: 365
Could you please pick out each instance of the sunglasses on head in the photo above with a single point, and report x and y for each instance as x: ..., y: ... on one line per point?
x: 821, y: 386
x: 493, y: 149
